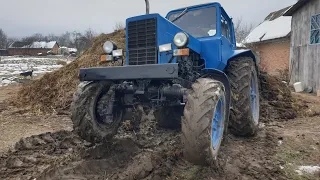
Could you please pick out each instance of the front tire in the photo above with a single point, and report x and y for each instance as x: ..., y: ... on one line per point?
x: 92, y: 117
x: 204, y: 121
x: 244, y: 115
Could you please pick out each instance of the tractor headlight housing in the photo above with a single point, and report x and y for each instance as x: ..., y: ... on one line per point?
x: 109, y: 46
x: 181, y: 39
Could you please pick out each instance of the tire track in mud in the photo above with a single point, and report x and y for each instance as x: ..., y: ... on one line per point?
x: 150, y: 153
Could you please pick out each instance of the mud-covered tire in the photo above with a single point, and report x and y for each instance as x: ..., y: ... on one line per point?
x: 197, y: 123
x: 169, y: 117
x: 84, y: 115
x: 244, y: 118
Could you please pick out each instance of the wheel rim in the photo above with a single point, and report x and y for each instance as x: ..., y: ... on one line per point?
x: 254, y: 98
x: 218, y: 124
x: 106, y: 108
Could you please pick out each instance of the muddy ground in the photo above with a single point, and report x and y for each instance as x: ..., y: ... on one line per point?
x: 35, y: 146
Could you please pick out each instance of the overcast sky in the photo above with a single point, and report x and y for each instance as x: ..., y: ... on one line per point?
x: 20, y: 18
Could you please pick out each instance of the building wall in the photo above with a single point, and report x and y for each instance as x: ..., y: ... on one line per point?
x: 55, y: 49
x: 305, y: 58
x: 274, y: 55
x: 26, y: 51
x: 3, y: 52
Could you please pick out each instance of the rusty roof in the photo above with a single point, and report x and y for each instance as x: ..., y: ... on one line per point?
x: 295, y: 7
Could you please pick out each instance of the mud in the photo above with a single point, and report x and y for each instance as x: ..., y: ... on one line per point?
x: 149, y: 153
x: 276, y: 100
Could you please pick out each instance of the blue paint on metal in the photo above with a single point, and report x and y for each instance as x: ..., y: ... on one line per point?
x: 216, y: 50
x: 217, y: 125
x: 254, y: 99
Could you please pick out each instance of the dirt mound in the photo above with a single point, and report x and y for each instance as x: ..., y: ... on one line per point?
x: 148, y: 154
x: 54, y: 90
x: 32, y: 155
x: 276, y: 100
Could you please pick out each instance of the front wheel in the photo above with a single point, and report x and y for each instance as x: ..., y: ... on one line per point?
x: 96, y: 111
x: 204, y: 121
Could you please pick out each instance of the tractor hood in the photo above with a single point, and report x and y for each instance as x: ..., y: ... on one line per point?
x: 144, y: 36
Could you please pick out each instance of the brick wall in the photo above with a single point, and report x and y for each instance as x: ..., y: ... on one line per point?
x: 274, y: 55
x: 26, y: 51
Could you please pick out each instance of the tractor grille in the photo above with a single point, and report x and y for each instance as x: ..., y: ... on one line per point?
x: 142, y: 42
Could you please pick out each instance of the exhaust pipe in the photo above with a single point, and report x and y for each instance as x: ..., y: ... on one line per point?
x: 147, y: 7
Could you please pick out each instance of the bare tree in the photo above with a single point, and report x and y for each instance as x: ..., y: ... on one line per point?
x: 51, y: 37
x: 65, y: 39
x: 242, y: 30
x: 10, y: 41
x: 34, y: 37
x: 83, y: 41
x: 3, y: 39
x: 118, y: 26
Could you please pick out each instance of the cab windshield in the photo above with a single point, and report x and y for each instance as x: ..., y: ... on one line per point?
x: 198, y: 23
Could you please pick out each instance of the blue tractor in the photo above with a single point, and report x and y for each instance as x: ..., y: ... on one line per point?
x: 186, y: 68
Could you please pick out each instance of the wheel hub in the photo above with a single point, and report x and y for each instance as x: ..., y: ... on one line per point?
x: 104, y: 108
x: 218, y: 124
x: 253, y: 98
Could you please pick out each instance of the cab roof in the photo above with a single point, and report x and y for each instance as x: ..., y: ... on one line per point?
x: 196, y: 6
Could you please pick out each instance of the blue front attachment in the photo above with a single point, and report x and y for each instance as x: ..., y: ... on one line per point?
x: 218, y: 124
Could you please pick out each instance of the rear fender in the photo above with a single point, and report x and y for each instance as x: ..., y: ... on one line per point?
x: 243, y: 52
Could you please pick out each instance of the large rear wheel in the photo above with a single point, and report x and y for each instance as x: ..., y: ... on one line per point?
x: 204, y: 121
x: 96, y: 111
x: 244, y: 115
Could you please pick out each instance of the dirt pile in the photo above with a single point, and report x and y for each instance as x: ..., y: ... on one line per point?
x: 276, y: 100
x: 54, y: 91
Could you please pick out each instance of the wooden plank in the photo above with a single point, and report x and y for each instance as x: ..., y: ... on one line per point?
x: 318, y: 65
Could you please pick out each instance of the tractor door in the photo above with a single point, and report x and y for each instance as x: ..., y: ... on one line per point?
x: 227, y: 37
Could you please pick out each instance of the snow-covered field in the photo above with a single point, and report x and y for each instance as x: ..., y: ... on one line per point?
x: 11, y: 67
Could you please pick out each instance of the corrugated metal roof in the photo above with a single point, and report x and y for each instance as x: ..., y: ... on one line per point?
x: 274, y: 15
x: 295, y: 7
x: 34, y: 45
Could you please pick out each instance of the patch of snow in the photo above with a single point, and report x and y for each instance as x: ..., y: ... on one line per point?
x: 11, y: 67
x: 308, y: 170
x: 240, y: 45
x: 6, y: 81
x: 268, y: 30
x: 72, y: 50
x: 16, y: 72
x: 280, y: 143
x: 41, y: 44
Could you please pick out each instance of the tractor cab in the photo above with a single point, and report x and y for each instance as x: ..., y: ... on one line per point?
x: 204, y: 21
x: 204, y: 31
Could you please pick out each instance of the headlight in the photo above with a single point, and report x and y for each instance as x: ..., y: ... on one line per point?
x: 181, y: 40
x: 109, y: 46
